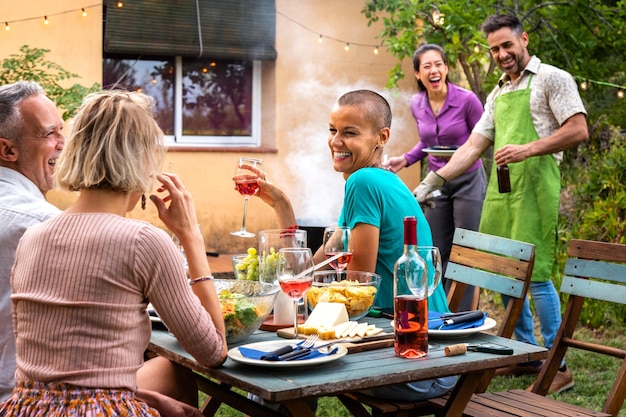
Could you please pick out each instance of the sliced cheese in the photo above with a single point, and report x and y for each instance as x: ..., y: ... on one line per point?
x: 373, y: 331
x: 363, y: 329
x: 346, y: 332
x: 339, y: 329
x: 327, y: 315
x: 356, y: 330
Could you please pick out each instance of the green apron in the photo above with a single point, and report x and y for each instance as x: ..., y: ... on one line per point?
x: 529, y: 213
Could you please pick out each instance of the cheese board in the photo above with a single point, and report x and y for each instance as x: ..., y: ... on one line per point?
x: 352, y: 344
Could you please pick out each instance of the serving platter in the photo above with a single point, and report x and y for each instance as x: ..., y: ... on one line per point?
x: 441, y: 150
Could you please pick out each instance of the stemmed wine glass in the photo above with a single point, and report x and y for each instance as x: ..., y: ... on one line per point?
x: 295, y: 276
x: 246, y: 174
x: 336, y: 241
x: 434, y: 270
x: 432, y: 257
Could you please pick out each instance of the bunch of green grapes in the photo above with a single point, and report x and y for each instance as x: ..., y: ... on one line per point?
x: 249, y: 267
x: 269, y: 265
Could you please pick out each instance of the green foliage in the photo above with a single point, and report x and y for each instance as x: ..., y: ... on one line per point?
x: 30, y: 65
x: 596, y: 176
x: 595, y: 205
x: 580, y: 36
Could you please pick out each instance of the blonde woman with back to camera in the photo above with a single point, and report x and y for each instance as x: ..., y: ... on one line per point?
x: 83, y: 279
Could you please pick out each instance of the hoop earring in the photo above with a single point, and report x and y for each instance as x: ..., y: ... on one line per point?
x: 143, y: 201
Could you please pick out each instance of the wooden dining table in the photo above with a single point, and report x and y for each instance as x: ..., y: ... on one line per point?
x: 360, y: 369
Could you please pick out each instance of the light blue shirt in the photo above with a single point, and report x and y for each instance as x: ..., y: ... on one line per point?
x: 21, y: 205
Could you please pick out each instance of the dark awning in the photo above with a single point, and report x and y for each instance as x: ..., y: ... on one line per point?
x: 232, y: 29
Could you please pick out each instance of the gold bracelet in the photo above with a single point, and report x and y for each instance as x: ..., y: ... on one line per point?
x: 199, y: 279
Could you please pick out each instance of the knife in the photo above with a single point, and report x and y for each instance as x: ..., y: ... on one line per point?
x: 282, y: 351
x: 457, y: 318
x: 490, y: 348
x: 295, y: 354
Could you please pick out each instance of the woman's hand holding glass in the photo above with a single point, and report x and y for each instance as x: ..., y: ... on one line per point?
x: 247, y: 172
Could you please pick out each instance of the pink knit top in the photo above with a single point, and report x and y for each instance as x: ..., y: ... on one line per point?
x: 81, y: 284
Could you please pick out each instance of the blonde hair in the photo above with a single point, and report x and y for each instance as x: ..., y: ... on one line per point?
x: 114, y: 143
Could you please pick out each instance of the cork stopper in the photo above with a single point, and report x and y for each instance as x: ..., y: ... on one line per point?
x: 454, y: 350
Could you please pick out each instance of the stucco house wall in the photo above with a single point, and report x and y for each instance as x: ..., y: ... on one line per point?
x: 299, y: 88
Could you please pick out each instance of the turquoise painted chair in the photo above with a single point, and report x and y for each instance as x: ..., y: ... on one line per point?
x: 593, y: 270
x: 487, y: 262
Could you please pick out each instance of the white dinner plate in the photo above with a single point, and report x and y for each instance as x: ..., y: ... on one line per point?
x: 451, y: 334
x: 447, y: 334
x: 439, y: 151
x: 270, y: 345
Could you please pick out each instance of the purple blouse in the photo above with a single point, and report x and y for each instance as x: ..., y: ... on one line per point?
x: 458, y: 115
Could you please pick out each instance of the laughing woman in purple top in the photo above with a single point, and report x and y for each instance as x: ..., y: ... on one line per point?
x: 445, y: 115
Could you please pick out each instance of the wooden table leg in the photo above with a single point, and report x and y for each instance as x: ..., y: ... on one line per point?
x: 298, y: 408
x: 461, y: 394
x: 221, y: 393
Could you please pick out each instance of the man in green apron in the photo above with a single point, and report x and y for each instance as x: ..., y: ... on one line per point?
x: 532, y: 115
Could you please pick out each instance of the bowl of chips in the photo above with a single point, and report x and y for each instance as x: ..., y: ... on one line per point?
x: 355, y: 289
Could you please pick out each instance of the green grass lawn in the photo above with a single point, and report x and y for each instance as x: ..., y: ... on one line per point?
x: 593, y: 375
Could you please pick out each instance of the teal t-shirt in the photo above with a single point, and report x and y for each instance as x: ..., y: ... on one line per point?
x: 378, y: 197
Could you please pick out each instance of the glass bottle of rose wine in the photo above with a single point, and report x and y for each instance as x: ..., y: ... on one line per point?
x: 410, y: 297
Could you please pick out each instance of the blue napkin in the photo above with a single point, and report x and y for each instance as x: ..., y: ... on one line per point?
x: 435, y: 323
x: 256, y: 354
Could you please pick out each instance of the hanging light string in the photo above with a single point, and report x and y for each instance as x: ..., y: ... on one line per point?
x: 585, y: 84
x: 321, y: 36
x: 46, y: 17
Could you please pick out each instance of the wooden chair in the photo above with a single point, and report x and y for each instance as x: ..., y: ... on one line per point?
x: 485, y: 261
x: 593, y: 270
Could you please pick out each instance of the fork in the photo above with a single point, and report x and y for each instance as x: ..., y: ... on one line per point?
x: 305, y: 344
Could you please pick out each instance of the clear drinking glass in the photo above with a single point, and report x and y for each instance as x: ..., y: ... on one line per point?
x: 432, y: 257
x: 336, y: 241
x: 295, y: 276
x: 247, y: 172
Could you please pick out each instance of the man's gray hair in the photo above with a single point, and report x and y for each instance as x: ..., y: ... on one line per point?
x: 10, y: 96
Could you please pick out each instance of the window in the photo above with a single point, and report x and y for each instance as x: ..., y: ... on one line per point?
x: 199, y: 102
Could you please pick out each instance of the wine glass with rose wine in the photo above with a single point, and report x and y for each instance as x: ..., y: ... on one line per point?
x: 336, y: 241
x: 294, y: 270
x: 247, y: 172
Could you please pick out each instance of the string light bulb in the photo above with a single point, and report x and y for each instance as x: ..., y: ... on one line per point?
x: 376, y: 50
x: 477, y: 48
x: 584, y: 85
x: 320, y: 39
x: 120, y: 4
x: 6, y: 26
x: 620, y: 93
x: 45, y: 20
x: 84, y: 12
x: 347, y: 47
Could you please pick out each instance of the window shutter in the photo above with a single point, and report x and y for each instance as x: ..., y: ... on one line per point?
x: 233, y: 29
